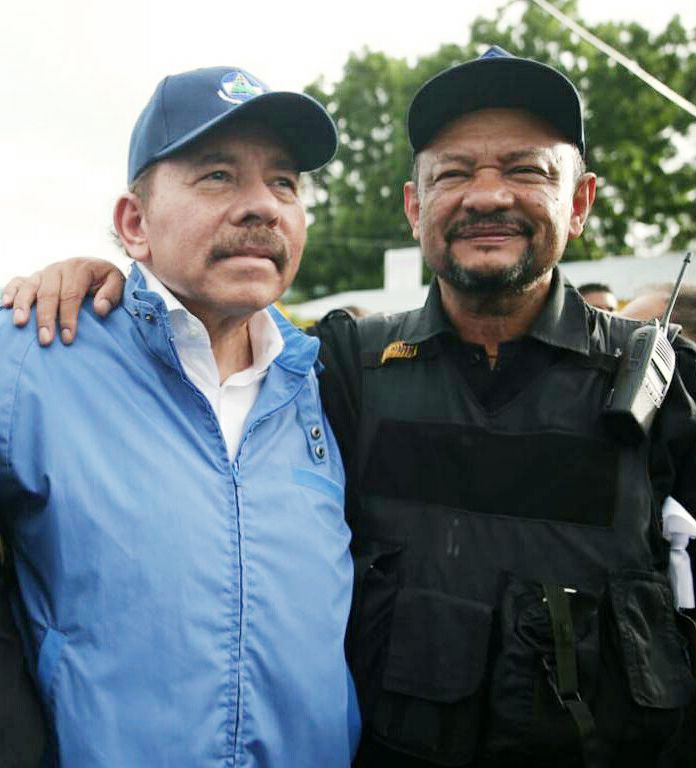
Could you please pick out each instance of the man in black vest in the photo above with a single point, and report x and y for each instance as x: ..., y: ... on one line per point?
x: 512, y: 605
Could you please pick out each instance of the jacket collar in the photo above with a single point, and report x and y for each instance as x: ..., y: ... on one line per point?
x: 150, y: 313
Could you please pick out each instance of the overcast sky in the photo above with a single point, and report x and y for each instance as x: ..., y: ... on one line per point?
x: 77, y: 73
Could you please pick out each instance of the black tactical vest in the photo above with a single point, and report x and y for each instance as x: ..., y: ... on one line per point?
x: 511, y: 603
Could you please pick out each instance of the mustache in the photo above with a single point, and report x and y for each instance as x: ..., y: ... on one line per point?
x: 235, y: 244
x: 460, y: 227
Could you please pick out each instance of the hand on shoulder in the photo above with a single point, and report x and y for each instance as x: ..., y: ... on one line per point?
x: 59, y: 291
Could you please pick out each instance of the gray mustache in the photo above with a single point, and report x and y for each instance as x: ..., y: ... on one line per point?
x: 263, y: 238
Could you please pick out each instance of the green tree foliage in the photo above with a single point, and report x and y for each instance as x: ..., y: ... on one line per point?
x: 633, y: 138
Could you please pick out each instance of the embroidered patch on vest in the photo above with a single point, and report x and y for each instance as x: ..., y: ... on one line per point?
x: 399, y: 350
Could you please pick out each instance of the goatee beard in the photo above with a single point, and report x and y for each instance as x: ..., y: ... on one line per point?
x: 511, y: 280
x: 504, y: 281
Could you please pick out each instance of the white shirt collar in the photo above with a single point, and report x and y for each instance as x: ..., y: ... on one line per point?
x: 266, y: 340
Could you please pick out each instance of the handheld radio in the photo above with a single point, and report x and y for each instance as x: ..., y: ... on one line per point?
x: 645, y: 373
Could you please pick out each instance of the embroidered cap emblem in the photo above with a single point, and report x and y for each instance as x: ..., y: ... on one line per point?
x: 236, y: 88
x: 399, y: 350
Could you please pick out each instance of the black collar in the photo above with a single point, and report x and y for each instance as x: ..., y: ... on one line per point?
x: 561, y: 323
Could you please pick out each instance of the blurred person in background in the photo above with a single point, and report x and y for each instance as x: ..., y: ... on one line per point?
x: 599, y: 295
x: 651, y: 302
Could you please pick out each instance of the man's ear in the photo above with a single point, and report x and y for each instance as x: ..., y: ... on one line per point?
x: 412, y: 207
x: 131, y: 226
x: 583, y: 198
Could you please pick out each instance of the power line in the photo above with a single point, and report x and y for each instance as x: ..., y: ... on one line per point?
x: 632, y: 66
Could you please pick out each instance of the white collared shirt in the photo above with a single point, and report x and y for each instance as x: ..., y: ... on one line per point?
x: 234, y: 398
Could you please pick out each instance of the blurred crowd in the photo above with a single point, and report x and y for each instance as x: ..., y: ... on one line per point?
x: 649, y: 303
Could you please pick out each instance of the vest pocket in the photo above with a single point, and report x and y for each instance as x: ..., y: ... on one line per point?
x: 527, y: 713
x: 651, y: 666
x: 431, y: 698
x: 626, y: 660
x: 654, y: 652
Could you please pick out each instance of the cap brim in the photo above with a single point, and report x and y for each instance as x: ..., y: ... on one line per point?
x: 300, y: 122
x: 508, y: 82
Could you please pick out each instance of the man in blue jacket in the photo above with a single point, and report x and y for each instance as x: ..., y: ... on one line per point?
x: 172, y: 492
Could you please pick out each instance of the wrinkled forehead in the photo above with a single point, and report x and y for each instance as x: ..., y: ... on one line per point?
x: 499, y: 131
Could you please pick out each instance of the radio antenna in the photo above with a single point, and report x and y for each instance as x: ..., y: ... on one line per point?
x: 673, y: 298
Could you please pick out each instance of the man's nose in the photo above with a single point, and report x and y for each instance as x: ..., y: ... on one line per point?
x: 256, y: 205
x: 487, y: 191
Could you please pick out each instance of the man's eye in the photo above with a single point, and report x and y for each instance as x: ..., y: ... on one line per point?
x: 218, y: 176
x: 452, y: 173
x: 285, y: 182
x: 527, y: 170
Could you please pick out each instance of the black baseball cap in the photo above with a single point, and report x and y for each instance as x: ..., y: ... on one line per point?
x: 496, y: 79
x: 186, y: 106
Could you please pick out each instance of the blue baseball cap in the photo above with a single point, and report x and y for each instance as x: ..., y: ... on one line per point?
x: 186, y: 106
x: 496, y: 79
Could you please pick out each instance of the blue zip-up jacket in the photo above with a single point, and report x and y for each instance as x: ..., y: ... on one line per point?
x: 179, y: 608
